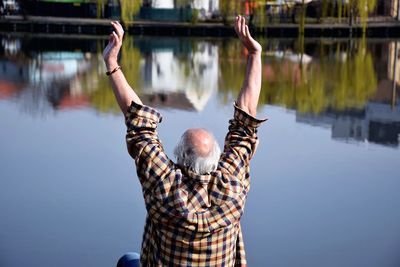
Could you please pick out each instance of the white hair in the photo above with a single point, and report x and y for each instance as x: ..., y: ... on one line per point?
x: 187, y: 156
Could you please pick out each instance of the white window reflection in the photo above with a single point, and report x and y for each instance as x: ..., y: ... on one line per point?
x: 192, y: 78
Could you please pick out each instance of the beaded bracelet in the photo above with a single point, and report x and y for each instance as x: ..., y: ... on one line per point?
x: 108, y: 73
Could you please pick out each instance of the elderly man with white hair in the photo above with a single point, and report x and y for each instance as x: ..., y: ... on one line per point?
x: 194, y: 206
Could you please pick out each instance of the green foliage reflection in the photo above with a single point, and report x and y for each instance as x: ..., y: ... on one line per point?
x: 129, y: 9
x: 339, y: 76
x: 346, y: 80
x: 97, y: 86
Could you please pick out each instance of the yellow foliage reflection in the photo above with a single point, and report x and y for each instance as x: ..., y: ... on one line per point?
x: 340, y: 77
x: 97, y: 86
x: 345, y: 81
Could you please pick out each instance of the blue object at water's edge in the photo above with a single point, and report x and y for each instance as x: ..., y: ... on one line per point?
x: 130, y: 259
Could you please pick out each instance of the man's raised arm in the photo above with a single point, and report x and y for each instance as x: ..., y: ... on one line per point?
x: 122, y: 90
x: 250, y: 91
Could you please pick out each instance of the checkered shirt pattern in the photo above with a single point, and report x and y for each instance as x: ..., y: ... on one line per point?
x: 192, y: 220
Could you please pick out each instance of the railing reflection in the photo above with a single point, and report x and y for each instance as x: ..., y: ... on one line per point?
x: 350, y: 85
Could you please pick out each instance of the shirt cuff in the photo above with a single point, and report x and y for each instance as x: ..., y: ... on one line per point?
x: 137, y: 110
x: 245, y: 118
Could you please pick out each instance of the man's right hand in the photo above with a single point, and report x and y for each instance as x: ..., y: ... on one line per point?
x: 250, y: 92
x: 242, y: 30
x: 122, y: 90
x: 110, y: 53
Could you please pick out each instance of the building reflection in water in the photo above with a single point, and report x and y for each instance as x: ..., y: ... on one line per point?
x: 178, y: 76
x: 44, y: 80
x: 378, y: 121
x: 350, y: 86
x: 12, y: 72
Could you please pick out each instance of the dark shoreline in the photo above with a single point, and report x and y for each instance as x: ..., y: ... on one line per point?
x: 98, y: 27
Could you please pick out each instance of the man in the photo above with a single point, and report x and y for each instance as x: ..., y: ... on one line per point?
x: 193, y: 206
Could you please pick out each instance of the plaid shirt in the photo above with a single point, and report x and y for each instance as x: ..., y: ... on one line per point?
x: 192, y: 220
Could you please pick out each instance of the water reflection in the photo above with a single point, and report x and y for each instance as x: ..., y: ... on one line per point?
x: 178, y: 75
x: 68, y: 192
x: 351, y: 86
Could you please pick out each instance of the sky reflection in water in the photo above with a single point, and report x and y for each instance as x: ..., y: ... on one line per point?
x: 68, y: 191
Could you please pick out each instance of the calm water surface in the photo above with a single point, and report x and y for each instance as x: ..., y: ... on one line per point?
x: 325, y: 180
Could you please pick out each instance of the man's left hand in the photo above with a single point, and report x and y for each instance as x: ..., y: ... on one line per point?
x: 110, y: 53
x: 242, y: 30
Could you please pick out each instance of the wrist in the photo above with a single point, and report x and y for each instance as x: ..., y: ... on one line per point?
x: 111, y: 64
x: 255, y: 53
x: 110, y: 72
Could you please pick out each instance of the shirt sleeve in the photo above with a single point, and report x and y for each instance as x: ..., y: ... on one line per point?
x: 144, y: 146
x: 240, y: 143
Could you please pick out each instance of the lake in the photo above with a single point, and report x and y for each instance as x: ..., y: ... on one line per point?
x: 325, y: 179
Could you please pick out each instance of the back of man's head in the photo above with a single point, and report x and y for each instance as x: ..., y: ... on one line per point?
x: 198, y: 150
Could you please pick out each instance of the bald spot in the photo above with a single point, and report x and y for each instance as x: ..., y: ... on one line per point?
x: 201, y: 141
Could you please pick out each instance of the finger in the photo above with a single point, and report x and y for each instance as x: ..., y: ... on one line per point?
x: 118, y: 29
x: 119, y: 25
x: 113, y: 39
x: 116, y: 37
x: 239, y: 25
x: 248, y: 32
x: 243, y: 26
x: 114, y: 25
x: 117, y: 22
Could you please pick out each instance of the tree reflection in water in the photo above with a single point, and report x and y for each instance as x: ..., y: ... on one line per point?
x: 338, y: 76
x: 312, y: 78
x: 100, y: 93
x: 347, y: 85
